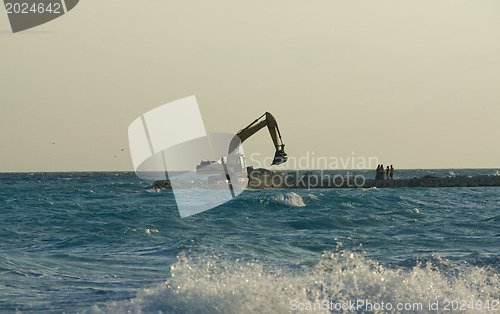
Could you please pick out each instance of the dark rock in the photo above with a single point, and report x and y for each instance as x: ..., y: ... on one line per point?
x: 162, y: 184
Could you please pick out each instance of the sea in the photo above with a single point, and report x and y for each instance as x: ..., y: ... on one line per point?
x: 107, y: 242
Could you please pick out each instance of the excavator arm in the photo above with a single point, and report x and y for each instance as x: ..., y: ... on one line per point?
x: 280, y: 156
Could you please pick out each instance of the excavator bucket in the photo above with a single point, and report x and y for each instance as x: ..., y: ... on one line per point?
x: 279, y: 157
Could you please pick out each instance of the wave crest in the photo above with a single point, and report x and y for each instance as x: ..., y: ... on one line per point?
x: 215, y: 284
x: 290, y: 199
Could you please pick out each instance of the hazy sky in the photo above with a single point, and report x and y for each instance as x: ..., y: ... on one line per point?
x: 415, y: 83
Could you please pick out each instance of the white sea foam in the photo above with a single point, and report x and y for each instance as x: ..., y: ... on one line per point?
x: 413, y: 210
x: 313, y: 196
x: 289, y: 199
x: 141, y: 230
x: 215, y: 285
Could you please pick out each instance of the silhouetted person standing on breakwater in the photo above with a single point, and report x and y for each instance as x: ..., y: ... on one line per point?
x: 392, y: 172
x: 380, y: 173
x: 388, y: 172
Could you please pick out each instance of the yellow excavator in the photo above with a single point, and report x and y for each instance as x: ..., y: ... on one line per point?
x: 234, y: 160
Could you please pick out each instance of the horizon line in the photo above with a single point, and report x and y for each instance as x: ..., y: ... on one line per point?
x: 337, y: 169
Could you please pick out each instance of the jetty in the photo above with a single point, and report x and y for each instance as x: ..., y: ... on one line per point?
x: 266, y: 179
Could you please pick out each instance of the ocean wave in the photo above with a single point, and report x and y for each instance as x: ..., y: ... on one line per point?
x: 413, y: 210
x: 147, y: 231
x: 289, y: 199
x: 218, y: 285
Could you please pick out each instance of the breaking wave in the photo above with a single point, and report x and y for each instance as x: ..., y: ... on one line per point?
x: 218, y: 285
x: 289, y: 199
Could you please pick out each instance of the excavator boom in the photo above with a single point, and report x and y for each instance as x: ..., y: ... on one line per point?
x: 235, y: 162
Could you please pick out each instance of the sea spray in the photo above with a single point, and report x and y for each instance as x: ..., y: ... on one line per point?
x: 289, y: 199
x: 217, y: 284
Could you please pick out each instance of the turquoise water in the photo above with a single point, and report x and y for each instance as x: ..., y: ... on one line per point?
x: 107, y: 242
